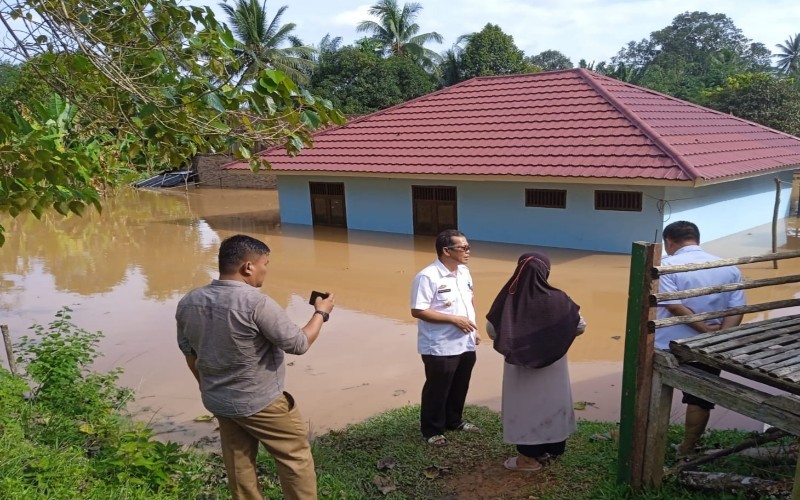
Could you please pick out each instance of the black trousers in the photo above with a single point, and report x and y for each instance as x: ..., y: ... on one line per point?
x: 540, y: 450
x: 690, y: 399
x: 445, y: 390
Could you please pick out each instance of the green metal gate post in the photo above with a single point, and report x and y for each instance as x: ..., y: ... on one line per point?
x: 638, y: 366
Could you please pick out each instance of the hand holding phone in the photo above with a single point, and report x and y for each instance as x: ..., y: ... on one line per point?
x: 314, y: 295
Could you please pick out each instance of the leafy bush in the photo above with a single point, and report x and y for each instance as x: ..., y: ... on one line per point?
x: 62, y: 434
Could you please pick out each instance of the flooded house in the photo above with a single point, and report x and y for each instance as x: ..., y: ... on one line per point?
x: 568, y: 159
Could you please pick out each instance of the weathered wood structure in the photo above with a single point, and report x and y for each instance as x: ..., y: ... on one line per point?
x: 766, y: 351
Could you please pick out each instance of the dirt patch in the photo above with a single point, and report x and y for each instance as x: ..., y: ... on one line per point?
x: 491, y: 481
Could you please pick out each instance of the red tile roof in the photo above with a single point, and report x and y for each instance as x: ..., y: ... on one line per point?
x: 572, y: 123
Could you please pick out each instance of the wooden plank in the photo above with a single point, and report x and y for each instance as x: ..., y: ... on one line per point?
x: 747, y: 343
x: 763, y: 362
x: 737, y: 331
x: 657, y: 432
x: 691, y: 318
x: 785, y: 402
x: 786, y: 371
x: 685, y: 355
x: 657, y: 271
x: 787, y: 358
x: 754, y: 343
x: 655, y: 298
x: 772, y: 351
x: 796, y: 487
x: 735, y: 396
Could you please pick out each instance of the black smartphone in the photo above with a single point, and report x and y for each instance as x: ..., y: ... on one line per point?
x: 316, y: 294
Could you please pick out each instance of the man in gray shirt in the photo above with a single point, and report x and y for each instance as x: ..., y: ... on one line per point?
x: 234, y: 338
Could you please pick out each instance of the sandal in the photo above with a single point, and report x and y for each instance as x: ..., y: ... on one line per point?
x: 513, y: 464
x: 468, y: 427
x: 438, y: 441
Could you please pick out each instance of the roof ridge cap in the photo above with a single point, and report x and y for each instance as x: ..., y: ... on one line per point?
x: 646, y: 129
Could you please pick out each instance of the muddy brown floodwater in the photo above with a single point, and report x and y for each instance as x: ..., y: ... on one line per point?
x: 124, y: 271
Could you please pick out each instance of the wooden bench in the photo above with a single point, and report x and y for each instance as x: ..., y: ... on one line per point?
x: 766, y: 351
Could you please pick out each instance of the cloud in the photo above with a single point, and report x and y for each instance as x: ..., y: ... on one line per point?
x: 352, y: 17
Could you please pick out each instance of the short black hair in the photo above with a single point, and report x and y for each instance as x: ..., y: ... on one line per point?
x: 237, y: 249
x: 445, y: 239
x: 682, y: 231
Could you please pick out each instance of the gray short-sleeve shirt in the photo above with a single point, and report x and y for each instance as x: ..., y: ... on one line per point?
x: 239, y: 336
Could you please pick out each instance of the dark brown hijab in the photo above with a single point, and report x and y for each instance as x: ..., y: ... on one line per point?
x: 534, y: 322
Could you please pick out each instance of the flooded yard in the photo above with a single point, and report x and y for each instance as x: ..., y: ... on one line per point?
x: 124, y: 271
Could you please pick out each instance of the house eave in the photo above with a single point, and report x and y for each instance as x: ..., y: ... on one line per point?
x: 484, y: 178
x: 710, y: 182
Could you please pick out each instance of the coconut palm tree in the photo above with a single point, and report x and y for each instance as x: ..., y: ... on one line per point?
x: 259, y: 42
x: 789, y: 57
x: 398, y: 34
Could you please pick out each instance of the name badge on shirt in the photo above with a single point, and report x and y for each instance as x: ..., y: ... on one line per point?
x: 443, y: 289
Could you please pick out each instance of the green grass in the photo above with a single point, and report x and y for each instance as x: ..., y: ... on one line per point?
x: 346, y: 462
x: 63, y: 436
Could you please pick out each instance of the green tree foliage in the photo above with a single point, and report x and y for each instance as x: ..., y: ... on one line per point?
x: 683, y: 58
x: 138, y: 82
x: 761, y: 98
x: 397, y: 33
x: 550, y: 60
x: 789, y: 56
x: 260, y: 42
x: 9, y: 78
x: 492, y: 52
x: 359, y: 81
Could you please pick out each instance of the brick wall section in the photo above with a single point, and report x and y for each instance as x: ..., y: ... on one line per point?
x: 209, y: 170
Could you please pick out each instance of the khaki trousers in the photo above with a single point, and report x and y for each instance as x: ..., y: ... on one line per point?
x: 281, y: 429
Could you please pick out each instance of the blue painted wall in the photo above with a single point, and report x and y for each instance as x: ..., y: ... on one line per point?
x: 295, y: 201
x: 723, y: 209
x: 495, y: 211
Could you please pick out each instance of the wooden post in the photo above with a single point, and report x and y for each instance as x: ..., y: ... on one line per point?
x: 775, y: 220
x: 637, y: 371
x: 12, y: 363
x: 796, y: 488
x: 657, y: 430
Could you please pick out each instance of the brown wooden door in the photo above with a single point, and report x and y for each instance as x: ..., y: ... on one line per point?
x: 327, y: 204
x: 434, y: 209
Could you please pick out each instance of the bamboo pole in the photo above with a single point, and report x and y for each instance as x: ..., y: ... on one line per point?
x: 691, y: 318
x: 12, y: 362
x: 708, y: 290
x: 769, y: 436
x: 662, y: 270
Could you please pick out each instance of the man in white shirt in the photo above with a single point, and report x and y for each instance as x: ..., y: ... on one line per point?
x: 442, y: 301
x: 682, y: 244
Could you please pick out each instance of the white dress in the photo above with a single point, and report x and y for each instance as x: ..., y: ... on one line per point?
x: 537, y: 402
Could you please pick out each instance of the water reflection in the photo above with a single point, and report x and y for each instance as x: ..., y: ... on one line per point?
x: 123, y: 272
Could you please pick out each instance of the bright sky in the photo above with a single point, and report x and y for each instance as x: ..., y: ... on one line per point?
x: 588, y: 29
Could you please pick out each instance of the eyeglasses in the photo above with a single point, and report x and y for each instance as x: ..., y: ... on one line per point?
x: 463, y: 248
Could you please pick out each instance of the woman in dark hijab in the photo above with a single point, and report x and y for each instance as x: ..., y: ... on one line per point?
x: 533, y: 324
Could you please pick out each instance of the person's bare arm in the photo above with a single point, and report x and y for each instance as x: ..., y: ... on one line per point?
x: 731, y: 321
x: 314, y: 325
x: 462, y: 322
x: 478, y: 338
x: 682, y: 310
x: 191, y: 362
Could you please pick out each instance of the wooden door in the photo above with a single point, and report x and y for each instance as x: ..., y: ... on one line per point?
x: 328, y: 204
x: 434, y: 209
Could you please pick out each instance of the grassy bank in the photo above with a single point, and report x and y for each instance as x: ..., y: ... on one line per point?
x: 63, y: 435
